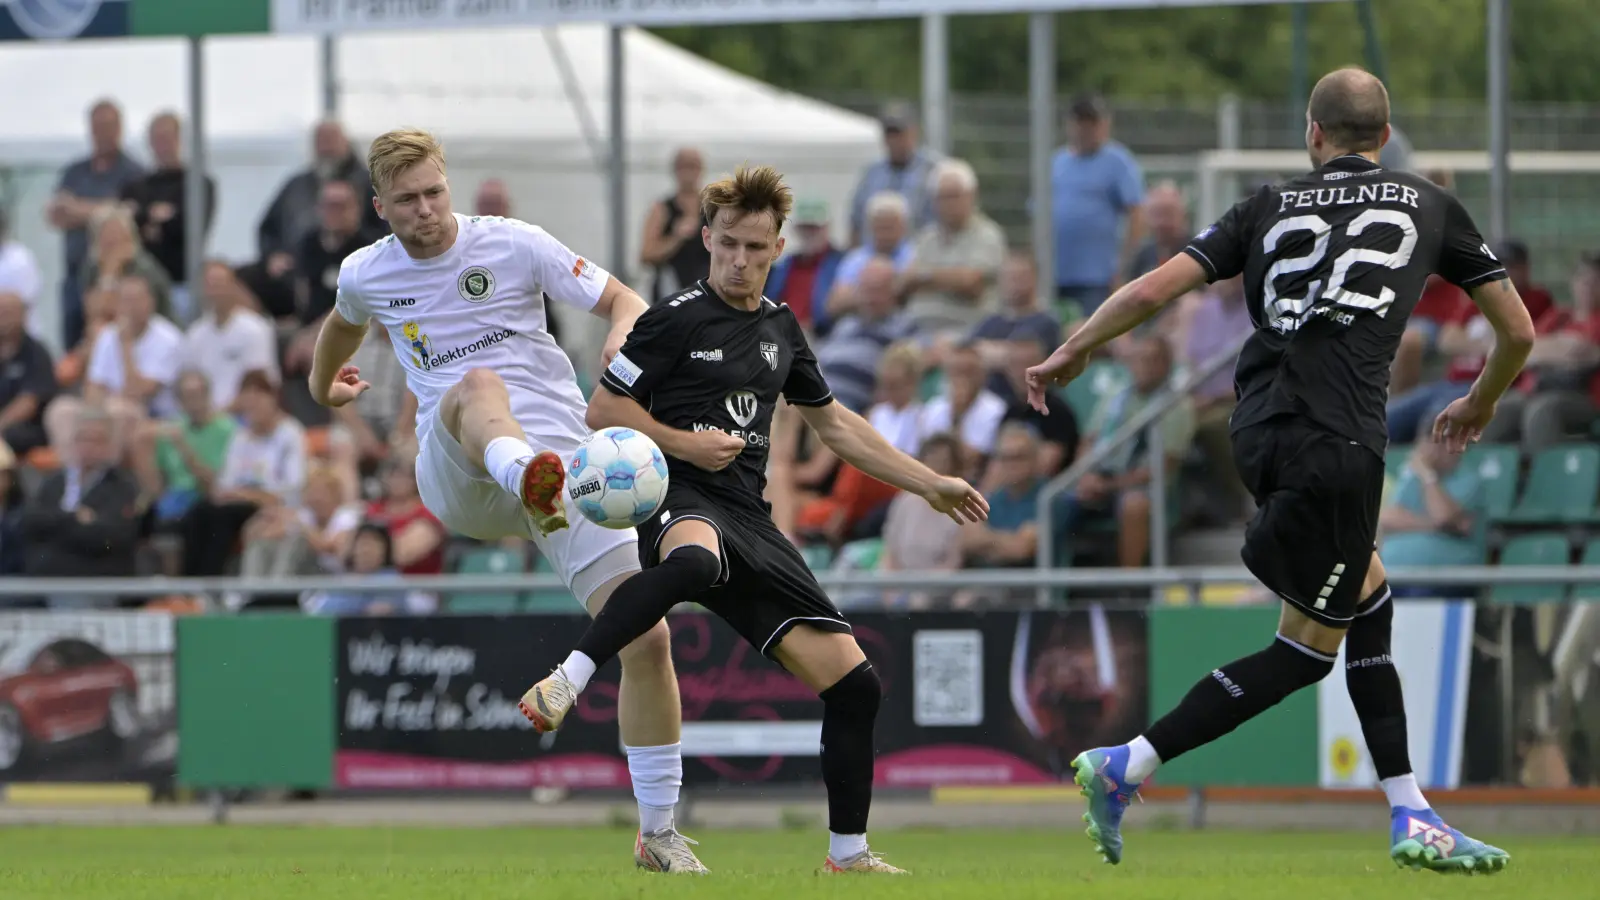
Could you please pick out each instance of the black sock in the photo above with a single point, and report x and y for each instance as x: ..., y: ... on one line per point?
x: 849, y: 709
x: 1374, y: 685
x: 643, y: 600
x: 1235, y: 694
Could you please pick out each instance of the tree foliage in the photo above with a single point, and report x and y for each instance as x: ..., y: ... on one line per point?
x: 1434, y: 50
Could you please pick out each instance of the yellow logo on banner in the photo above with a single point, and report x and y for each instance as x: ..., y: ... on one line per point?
x: 1344, y: 756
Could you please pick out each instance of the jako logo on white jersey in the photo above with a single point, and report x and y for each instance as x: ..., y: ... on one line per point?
x: 429, y: 361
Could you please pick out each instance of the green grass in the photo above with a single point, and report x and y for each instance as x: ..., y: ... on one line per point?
x: 247, y: 863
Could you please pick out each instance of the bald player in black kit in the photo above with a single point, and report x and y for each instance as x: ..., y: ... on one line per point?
x: 1333, y: 263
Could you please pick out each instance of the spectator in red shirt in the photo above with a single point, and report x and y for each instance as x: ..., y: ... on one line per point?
x: 1565, y: 370
x: 418, y: 537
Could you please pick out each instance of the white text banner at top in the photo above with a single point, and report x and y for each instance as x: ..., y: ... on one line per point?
x: 336, y: 16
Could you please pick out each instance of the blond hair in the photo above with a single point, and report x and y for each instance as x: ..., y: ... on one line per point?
x: 749, y: 191
x: 396, y: 151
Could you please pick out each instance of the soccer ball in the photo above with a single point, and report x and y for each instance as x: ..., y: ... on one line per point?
x: 617, y: 478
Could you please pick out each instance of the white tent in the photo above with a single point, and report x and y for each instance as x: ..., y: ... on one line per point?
x: 526, y: 105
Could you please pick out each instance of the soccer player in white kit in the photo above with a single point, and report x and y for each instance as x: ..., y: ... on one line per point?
x: 462, y: 300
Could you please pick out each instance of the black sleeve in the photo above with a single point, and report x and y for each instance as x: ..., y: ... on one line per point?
x: 805, y: 385
x: 650, y: 354
x: 39, y: 376
x: 1464, y: 258
x: 1223, y: 248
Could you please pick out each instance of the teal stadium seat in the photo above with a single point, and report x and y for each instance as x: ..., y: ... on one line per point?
x: 555, y: 600
x: 487, y: 561
x: 1497, y: 466
x: 1539, y: 549
x: 1591, y: 557
x: 1561, y: 487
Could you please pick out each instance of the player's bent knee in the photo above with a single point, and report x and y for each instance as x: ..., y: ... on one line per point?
x: 857, y: 695
x: 650, y: 652
x: 695, y: 565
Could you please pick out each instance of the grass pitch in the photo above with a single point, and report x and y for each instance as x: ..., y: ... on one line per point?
x: 256, y: 863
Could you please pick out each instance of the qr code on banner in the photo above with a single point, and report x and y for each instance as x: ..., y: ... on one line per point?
x: 949, y: 678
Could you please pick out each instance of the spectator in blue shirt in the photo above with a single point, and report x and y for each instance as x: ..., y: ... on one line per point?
x: 1432, y: 517
x: 905, y: 170
x: 803, y: 278
x: 888, y: 235
x: 1097, y: 189
x: 1011, y: 485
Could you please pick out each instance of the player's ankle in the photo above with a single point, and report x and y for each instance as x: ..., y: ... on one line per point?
x: 577, y: 670
x: 1143, y: 760
x: 505, y: 458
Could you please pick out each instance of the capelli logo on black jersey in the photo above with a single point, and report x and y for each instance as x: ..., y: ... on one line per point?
x: 428, y: 361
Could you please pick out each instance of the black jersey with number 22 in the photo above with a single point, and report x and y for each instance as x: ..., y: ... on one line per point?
x: 698, y: 364
x: 1334, y: 262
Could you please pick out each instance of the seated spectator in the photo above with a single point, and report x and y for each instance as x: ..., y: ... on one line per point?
x: 1212, y: 323
x: 282, y: 541
x: 1562, y: 398
x: 1166, y: 220
x: 1057, y: 429
x: 99, y: 313
x: 115, y: 253
x: 371, y: 556
x: 386, y: 418
x: 849, y: 354
x: 1118, y: 487
x: 83, y: 520
x: 178, y: 460
x: 1019, y: 315
x: 230, y: 338
x: 318, y: 257
x: 950, y: 284
x: 898, y: 414
x: 19, y: 271
x: 888, y: 236
x: 803, y: 278
x: 966, y: 407
x: 264, y: 467
x: 27, y: 379
x: 1430, y: 519
x: 916, y: 537
x: 1010, y: 536
x: 13, y: 556
x: 419, y: 538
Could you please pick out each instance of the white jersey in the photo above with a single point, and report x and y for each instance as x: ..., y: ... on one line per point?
x: 479, y: 304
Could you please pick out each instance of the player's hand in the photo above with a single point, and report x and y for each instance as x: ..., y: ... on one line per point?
x: 347, y: 386
x: 1462, y: 423
x: 958, y: 500
x: 1060, y: 368
x: 615, y: 338
x: 711, y: 450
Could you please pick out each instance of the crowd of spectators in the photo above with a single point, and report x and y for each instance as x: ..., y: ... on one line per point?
x: 174, y: 434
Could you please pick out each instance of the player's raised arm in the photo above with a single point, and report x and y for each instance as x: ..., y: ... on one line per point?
x: 332, y: 383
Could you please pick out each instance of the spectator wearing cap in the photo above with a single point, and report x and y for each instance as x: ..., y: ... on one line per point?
x: 1019, y: 316
x: 905, y: 169
x: 1097, y: 190
x: 86, y: 187
x: 492, y: 199
x: 850, y: 353
x: 672, y: 244
x: 1562, y: 394
x: 1166, y: 217
x: 19, y: 271
x: 27, y: 379
x: 230, y: 338
x: 803, y: 278
x: 888, y: 236
x: 293, y: 212
x: 160, y: 209
x: 950, y: 285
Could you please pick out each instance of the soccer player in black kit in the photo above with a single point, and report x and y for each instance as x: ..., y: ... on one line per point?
x: 701, y: 374
x: 1333, y: 263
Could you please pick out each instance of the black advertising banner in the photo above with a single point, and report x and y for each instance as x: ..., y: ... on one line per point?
x: 88, y: 696
x: 995, y: 698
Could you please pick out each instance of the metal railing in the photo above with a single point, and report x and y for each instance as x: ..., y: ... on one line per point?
x: 1147, y: 420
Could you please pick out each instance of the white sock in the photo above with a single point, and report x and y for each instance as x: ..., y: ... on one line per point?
x: 1402, y: 790
x: 657, y: 773
x: 505, y: 458
x: 1142, y: 760
x: 844, y: 846
x: 578, y: 669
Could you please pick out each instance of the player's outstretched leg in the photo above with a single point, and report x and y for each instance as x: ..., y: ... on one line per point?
x: 833, y: 665
x: 1220, y: 702
x: 1418, y: 837
x: 650, y: 717
x: 477, y: 411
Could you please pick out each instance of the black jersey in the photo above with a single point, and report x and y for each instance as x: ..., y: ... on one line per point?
x: 698, y: 364
x: 1334, y: 262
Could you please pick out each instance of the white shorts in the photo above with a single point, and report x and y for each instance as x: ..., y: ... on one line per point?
x: 469, y: 502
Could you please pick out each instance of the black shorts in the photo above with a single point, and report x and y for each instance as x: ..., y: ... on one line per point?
x: 766, y: 588
x: 1316, y: 524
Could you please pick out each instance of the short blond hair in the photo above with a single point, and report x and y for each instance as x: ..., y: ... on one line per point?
x: 396, y: 151
x: 751, y: 191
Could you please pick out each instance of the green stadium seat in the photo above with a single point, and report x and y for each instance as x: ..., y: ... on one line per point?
x: 1541, y: 549
x: 487, y: 561
x: 1591, y: 557
x: 1497, y: 466
x: 1561, y: 487
x: 554, y: 600
x: 818, y: 557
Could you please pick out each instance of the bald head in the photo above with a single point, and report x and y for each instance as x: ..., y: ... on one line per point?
x: 1350, y: 108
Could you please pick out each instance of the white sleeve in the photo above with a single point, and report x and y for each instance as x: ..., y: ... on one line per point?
x: 291, y: 469
x: 230, y: 475
x: 262, y: 352
x: 348, y: 302
x: 105, y: 362
x: 561, y: 274
x: 163, y: 358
